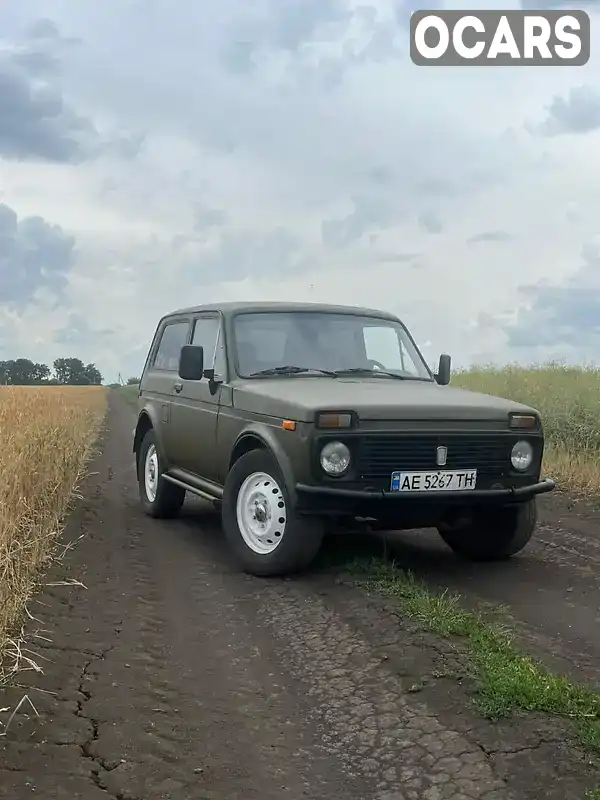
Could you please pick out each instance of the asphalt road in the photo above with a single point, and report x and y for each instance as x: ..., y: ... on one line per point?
x: 171, y: 675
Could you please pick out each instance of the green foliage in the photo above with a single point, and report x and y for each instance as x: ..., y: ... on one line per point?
x: 67, y: 371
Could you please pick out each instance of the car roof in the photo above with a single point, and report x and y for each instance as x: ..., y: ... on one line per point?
x: 258, y: 306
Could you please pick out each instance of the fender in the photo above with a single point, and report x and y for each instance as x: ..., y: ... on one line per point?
x: 267, y: 436
x: 148, y: 417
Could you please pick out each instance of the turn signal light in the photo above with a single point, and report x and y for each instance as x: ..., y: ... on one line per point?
x: 523, y: 421
x: 288, y: 425
x: 334, y: 420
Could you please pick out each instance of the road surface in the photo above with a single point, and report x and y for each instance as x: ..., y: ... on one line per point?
x: 170, y: 675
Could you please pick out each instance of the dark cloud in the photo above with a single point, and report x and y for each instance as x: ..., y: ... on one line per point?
x: 578, y: 112
x: 564, y: 314
x: 490, y: 236
x: 33, y: 254
x: 35, y: 121
x: 431, y: 222
x: 36, y: 124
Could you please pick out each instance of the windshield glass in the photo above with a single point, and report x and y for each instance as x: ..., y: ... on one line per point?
x: 324, y: 341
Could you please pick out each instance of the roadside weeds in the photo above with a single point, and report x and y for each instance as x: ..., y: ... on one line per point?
x: 506, y: 679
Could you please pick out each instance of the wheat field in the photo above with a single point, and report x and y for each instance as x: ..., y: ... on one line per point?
x: 568, y: 398
x: 46, y: 435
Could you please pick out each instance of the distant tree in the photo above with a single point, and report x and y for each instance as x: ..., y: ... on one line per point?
x: 67, y: 371
x: 132, y: 381
x: 23, y: 372
x: 73, y: 372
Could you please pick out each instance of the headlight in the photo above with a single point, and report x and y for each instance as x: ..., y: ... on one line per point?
x: 521, y: 456
x: 335, y: 458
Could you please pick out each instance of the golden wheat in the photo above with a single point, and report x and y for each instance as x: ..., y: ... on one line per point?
x: 45, y: 437
x: 568, y: 399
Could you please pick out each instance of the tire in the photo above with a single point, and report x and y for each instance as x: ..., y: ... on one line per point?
x: 287, y: 543
x: 166, y: 500
x: 493, y: 534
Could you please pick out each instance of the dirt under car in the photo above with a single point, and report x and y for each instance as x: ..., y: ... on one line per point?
x: 295, y: 416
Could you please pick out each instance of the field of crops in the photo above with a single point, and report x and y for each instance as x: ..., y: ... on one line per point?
x: 569, y: 402
x: 45, y: 438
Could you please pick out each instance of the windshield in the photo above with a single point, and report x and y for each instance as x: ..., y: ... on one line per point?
x: 332, y: 342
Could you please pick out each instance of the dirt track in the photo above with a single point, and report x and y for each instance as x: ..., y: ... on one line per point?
x: 176, y: 677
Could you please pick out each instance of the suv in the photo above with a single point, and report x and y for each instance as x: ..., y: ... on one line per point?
x: 288, y: 416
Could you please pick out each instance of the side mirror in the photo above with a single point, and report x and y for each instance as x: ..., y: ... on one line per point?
x: 443, y: 373
x: 191, y: 362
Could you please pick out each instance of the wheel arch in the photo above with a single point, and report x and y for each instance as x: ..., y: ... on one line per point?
x: 145, y: 423
x: 255, y: 438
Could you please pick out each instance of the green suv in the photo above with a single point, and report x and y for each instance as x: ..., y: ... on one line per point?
x: 292, y: 416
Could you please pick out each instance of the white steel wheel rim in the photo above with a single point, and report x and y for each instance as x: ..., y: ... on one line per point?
x: 261, y: 513
x: 151, y: 473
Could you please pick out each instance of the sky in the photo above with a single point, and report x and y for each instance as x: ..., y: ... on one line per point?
x: 153, y: 158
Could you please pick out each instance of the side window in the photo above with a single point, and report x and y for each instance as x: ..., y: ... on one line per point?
x: 173, y: 338
x: 207, y: 332
x: 382, y: 345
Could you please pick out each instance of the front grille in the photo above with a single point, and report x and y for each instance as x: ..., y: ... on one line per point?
x: 379, y: 456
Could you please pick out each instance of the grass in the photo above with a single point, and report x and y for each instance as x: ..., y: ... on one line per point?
x: 130, y: 393
x: 507, y: 680
x: 45, y: 438
x: 567, y: 398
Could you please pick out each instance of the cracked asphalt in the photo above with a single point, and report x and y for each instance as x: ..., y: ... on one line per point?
x: 170, y: 675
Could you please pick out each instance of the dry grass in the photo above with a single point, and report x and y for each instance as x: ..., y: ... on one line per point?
x: 568, y: 399
x: 45, y: 438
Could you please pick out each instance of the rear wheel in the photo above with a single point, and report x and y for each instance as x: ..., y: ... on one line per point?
x: 264, y: 532
x: 158, y: 497
x: 493, y: 534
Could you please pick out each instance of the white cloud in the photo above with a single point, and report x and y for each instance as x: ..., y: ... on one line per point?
x: 286, y: 150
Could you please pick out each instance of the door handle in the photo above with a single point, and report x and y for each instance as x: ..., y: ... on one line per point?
x: 178, y: 387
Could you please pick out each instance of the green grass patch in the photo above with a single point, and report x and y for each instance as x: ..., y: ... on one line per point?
x: 130, y: 393
x: 507, y: 680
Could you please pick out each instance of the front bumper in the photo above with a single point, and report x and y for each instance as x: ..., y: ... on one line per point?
x: 332, y: 496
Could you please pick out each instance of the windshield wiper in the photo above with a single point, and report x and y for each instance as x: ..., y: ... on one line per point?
x: 292, y: 370
x: 369, y: 371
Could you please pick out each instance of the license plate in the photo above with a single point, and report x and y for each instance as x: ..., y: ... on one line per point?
x: 437, y: 481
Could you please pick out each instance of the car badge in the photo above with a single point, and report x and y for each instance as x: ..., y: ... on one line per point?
x: 441, y: 456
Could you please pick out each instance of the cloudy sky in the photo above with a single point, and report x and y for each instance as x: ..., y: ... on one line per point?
x: 155, y: 155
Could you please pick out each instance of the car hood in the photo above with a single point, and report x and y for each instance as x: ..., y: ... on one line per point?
x: 372, y: 399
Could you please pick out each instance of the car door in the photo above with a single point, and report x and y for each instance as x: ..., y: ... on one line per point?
x: 195, y: 404
x: 161, y: 373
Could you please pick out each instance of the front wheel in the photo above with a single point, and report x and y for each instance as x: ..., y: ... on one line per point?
x: 264, y: 532
x: 493, y: 534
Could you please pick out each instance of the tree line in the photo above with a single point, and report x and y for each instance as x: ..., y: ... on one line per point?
x: 64, y: 372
